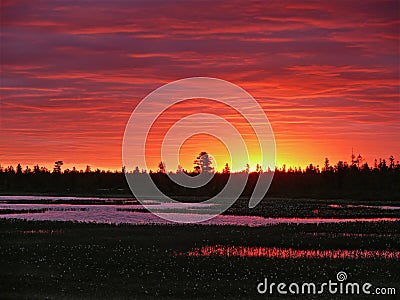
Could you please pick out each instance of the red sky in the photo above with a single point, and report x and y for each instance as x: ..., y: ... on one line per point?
x: 325, y: 73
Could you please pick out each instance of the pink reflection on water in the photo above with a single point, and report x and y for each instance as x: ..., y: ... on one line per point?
x: 44, y: 231
x: 346, y: 234
x: 382, y: 207
x: 289, y: 253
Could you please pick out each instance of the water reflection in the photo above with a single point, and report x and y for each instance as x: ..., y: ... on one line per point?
x: 382, y: 207
x: 122, y: 210
x: 44, y: 231
x: 289, y: 253
x: 117, y: 214
x: 348, y: 234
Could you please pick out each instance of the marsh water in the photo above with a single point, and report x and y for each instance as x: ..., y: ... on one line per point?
x: 129, y: 211
x: 289, y: 253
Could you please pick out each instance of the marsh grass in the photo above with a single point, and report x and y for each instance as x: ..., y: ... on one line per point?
x: 120, y: 261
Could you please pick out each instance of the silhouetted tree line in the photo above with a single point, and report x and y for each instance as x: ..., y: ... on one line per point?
x: 356, y: 180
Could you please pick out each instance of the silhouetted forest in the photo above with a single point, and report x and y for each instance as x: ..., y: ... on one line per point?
x: 356, y: 180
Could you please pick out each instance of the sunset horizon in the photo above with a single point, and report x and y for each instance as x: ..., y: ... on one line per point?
x: 326, y: 76
x: 191, y: 167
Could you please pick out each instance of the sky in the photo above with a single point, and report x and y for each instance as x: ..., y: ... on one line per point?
x: 326, y: 74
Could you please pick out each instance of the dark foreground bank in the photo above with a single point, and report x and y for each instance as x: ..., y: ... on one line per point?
x: 64, y: 260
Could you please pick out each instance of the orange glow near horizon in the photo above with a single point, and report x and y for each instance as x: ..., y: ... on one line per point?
x: 189, y: 151
x: 326, y: 84
x: 198, y: 142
